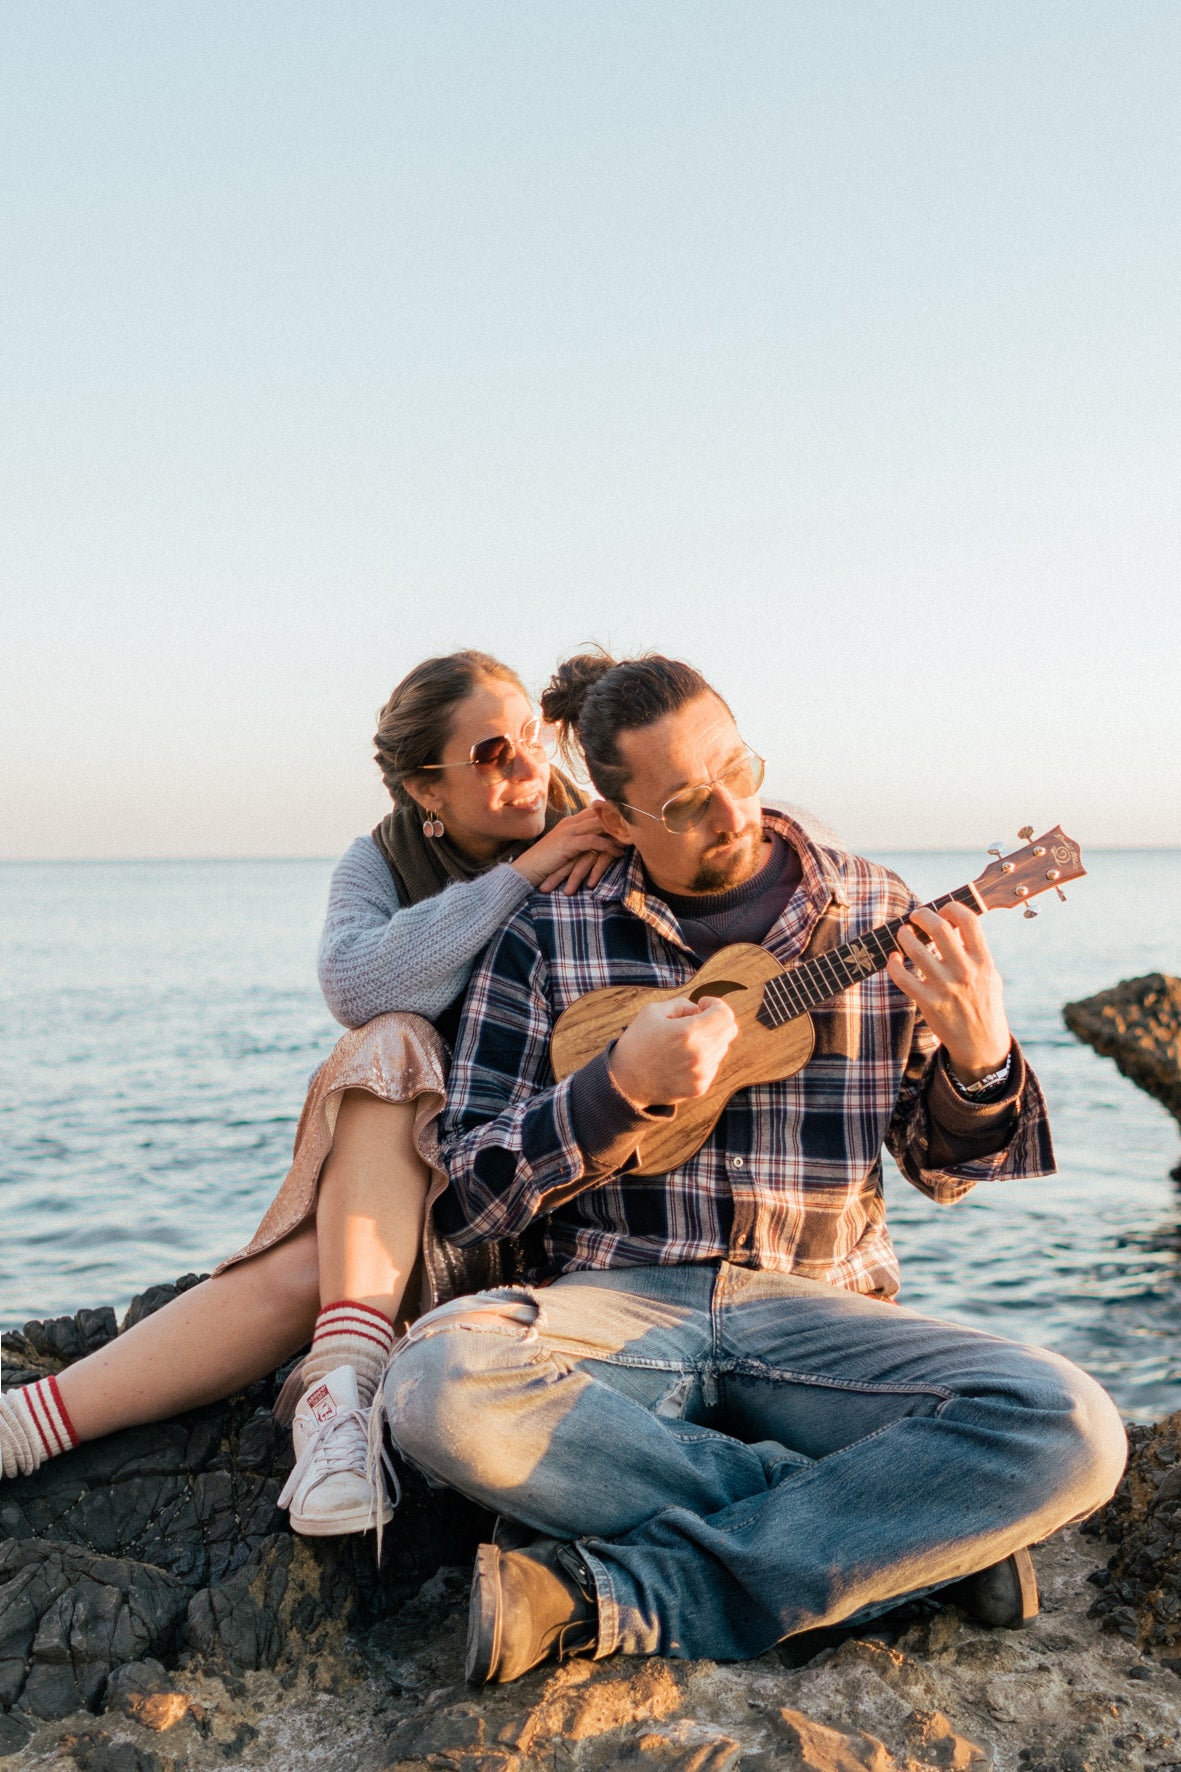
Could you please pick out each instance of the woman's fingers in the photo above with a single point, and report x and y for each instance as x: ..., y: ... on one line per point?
x: 587, y: 867
x: 578, y: 873
x: 598, y: 868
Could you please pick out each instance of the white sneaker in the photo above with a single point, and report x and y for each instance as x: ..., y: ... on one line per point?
x: 336, y: 1485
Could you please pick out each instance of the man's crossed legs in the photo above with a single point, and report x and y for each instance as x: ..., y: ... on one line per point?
x: 739, y: 1455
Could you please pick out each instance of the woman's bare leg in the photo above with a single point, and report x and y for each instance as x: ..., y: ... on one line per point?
x: 236, y: 1328
x: 369, y: 1214
x: 372, y: 1197
x: 209, y: 1342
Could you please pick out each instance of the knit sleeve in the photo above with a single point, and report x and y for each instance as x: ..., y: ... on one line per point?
x: 377, y: 954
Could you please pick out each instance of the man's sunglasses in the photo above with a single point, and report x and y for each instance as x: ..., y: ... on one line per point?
x: 495, y: 757
x: 686, y: 809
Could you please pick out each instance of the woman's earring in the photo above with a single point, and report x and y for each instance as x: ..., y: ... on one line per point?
x: 432, y: 827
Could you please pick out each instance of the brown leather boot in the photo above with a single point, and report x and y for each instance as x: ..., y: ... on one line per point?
x: 528, y: 1606
x: 1002, y: 1596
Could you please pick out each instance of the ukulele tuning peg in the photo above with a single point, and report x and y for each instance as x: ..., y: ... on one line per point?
x: 1025, y: 833
x: 1060, y: 893
x: 995, y: 849
x: 1029, y: 911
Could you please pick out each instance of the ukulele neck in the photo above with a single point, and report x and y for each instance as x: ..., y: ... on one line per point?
x: 827, y: 975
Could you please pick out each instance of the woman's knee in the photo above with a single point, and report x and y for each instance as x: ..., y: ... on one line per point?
x: 286, y: 1274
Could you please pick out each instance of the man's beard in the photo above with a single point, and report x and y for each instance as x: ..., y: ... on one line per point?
x: 731, y: 864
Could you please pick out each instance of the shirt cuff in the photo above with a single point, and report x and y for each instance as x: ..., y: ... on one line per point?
x: 964, y: 1118
x: 607, y: 1126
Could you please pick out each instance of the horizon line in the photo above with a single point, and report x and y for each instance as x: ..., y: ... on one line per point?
x: 334, y: 855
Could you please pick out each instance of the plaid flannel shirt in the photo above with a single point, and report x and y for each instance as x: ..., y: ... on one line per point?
x: 791, y: 1177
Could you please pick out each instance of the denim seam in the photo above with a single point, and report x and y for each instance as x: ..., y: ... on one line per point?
x: 476, y: 1315
x: 633, y: 1364
x: 605, y: 1601
x: 522, y: 1337
x: 696, y: 1438
x: 786, y: 1375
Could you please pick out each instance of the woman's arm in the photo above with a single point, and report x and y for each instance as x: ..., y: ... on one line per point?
x: 377, y: 954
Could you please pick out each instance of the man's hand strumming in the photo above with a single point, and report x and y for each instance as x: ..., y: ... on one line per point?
x: 672, y: 1051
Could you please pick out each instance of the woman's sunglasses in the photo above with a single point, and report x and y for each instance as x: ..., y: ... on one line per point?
x: 686, y: 809
x: 495, y: 757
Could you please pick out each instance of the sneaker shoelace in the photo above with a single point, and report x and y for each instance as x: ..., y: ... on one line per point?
x: 375, y: 1457
x: 346, y: 1442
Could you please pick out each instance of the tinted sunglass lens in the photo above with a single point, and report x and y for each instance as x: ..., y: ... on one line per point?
x: 493, y: 755
x: 685, y: 810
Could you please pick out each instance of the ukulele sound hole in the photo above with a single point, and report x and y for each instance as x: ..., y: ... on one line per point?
x: 721, y: 987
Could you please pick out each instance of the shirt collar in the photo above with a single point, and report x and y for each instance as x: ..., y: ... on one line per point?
x: 820, y: 882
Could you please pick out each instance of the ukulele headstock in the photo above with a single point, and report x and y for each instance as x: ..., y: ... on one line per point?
x: 1048, y: 862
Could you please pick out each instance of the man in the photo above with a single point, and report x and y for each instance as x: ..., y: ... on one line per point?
x: 708, y: 1410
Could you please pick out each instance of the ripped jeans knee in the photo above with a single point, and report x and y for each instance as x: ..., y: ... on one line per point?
x: 457, y: 1385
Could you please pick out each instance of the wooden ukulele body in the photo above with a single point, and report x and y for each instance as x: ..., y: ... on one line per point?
x: 758, y: 1055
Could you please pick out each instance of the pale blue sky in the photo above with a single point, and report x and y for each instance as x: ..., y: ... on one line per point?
x: 832, y: 346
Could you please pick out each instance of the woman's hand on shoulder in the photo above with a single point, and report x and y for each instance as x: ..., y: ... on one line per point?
x: 575, y: 853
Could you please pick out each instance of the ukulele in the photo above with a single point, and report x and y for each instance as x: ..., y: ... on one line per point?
x: 771, y: 1002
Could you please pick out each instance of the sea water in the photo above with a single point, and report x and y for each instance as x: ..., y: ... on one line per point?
x: 159, y: 1022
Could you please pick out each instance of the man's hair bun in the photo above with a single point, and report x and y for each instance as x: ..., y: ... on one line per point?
x: 592, y: 699
x: 564, y: 696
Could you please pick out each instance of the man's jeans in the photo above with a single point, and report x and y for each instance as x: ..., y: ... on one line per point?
x: 743, y: 1455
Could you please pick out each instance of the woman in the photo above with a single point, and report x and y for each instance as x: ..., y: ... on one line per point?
x: 479, y: 821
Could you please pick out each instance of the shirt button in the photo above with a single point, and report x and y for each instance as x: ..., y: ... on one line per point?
x: 738, y: 1162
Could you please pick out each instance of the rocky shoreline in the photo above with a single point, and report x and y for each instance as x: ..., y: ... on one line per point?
x: 1137, y: 1023
x: 156, y: 1614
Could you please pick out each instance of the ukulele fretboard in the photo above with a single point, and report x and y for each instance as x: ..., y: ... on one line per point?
x: 827, y: 975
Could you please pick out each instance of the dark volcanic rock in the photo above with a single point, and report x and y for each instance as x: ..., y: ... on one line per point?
x: 67, y: 1618
x: 1140, y: 1589
x: 1138, y: 1024
x: 166, y: 1538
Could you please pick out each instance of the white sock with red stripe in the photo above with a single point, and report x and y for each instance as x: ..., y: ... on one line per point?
x: 350, y: 1334
x: 34, y: 1426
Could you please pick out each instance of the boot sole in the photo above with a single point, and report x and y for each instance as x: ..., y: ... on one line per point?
x: 484, y: 1618
x: 1027, y: 1599
x: 1004, y: 1597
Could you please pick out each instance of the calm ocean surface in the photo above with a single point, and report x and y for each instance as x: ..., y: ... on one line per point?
x: 158, y: 1022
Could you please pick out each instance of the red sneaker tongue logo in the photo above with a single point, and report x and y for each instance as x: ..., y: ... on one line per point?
x: 320, y: 1403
